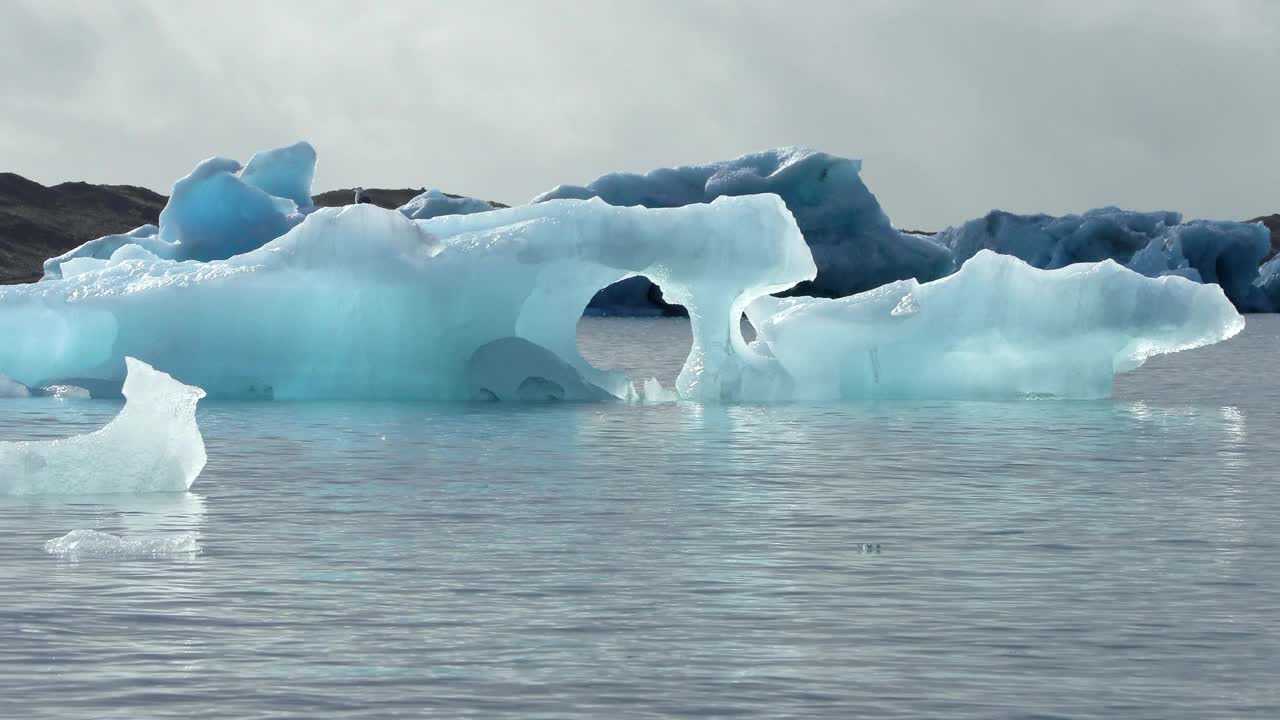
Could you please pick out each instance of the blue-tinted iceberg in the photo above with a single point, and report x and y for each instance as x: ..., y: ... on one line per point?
x: 361, y: 302
x: 854, y: 245
x: 285, y: 172
x: 998, y: 328
x: 1269, y: 282
x: 236, y: 292
x: 1152, y: 243
x: 153, y: 445
x: 218, y: 211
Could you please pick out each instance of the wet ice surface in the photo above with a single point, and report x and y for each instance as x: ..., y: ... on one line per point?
x: 79, y: 544
x: 1060, y: 559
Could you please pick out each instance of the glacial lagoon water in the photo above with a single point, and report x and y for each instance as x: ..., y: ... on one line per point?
x: 1036, y: 559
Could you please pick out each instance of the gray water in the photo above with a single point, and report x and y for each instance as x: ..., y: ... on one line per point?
x: 1043, y: 559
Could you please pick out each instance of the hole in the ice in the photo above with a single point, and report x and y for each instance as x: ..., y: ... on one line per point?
x: 621, y: 330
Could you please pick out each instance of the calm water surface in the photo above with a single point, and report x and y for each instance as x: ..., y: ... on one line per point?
x: 1038, y: 559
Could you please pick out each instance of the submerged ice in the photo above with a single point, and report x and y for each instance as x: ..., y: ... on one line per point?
x: 86, y: 543
x: 249, y: 292
x: 153, y: 445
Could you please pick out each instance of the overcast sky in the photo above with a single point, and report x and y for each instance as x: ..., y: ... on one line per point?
x: 955, y: 107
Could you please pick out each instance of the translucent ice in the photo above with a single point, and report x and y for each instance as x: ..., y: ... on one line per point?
x: 361, y: 302
x: 92, y: 543
x: 996, y: 329
x: 284, y: 172
x: 153, y: 445
x: 217, y: 211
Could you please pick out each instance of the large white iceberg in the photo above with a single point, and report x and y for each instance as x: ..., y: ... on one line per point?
x: 361, y: 302
x: 997, y: 329
x: 153, y: 445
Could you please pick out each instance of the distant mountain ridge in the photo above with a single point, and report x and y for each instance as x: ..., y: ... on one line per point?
x: 38, y: 222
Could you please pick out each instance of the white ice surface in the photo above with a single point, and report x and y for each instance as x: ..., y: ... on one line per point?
x: 998, y: 328
x: 153, y: 445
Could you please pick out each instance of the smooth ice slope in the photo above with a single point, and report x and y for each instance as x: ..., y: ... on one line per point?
x: 361, y: 302
x: 434, y: 203
x: 1152, y: 243
x: 998, y: 328
x: 153, y: 445
x: 854, y: 245
x: 216, y: 212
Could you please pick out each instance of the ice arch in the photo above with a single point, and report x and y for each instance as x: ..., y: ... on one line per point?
x: 361, y: 302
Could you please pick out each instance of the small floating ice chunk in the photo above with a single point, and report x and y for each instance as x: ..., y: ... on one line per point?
x: 153, y: 445
x: 92, y: 543
x: 653, y: 392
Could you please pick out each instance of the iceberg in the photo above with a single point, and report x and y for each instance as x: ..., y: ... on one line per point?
x: 1152, y: 243
x: 153, y: 445
x: 999, y: 328
x: 364, y: 303
x: 244, y: 292
x: 854, y: 245
x: 285, y: 172
x: 217, y: 211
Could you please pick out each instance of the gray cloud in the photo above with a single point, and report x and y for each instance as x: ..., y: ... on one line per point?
x: 955, y: 108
